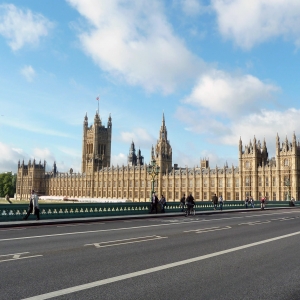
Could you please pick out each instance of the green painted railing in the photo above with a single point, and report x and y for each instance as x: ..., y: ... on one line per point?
x: 15, y: 212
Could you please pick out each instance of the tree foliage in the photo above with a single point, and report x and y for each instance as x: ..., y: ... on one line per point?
x: 7, y: 184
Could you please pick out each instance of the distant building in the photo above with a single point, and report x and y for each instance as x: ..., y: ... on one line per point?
x: 256, y: 175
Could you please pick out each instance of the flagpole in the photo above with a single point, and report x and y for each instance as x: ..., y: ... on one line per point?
x: 98, y: 103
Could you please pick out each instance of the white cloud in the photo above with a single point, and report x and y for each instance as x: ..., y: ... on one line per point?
x: 9, y: 158
x: 251, y: 22
x: 227, y: 95
x: 43, y: 154
x: 139, y: 136
x: 21, y: 27
x: 263, y: 125
x: 120, y: 159
x: 28, y: 72
x: 130, y: 42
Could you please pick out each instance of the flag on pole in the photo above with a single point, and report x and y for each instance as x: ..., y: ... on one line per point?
x: 98, y: 102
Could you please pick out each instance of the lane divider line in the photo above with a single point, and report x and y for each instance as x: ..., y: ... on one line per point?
x: 259, y: 223
x: 18, y: 258
x: 126, y: 241
x: 224, y: 228
x: 14, y: 254
x: 201, y: 229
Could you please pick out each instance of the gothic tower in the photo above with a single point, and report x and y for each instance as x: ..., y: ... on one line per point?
x: 163, y: 149
x: 134, y: 159
x: 253, y: 160
x: 288, y: 166
x: 96, y: 145
x: 30, y: 177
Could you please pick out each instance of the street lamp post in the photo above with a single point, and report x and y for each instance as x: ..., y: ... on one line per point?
x: 153, y: 170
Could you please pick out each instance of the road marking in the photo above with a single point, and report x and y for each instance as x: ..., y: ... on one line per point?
x: 75, y: 225
x: 255, y: 223
x: 12, y: 229
x: 259, y: 223
x: 200, y: 229
x: 124, y: 228
x: 222, y: 228
x: 19, y: 258
x: 269, y: 214
x: 16, y: 256
x: 127, y: 241
x: 153, y: 270
x: 286, y: 219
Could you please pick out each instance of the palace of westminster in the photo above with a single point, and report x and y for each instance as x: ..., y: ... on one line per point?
x: 256, y: 175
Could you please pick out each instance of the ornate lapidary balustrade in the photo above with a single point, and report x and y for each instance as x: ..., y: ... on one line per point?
x: 14, y: 212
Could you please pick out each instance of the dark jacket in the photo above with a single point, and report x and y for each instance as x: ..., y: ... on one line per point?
x: 155, y: 201
x: 190, y: 200
x: 214, y: 199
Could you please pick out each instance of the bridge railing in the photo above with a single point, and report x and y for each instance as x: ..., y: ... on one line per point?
x: 15, y: 212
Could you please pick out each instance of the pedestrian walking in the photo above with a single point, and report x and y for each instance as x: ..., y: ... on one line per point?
x: 246, y: 202
x: 182, y: 202
x: 221, y: 202
x: 33, y: 206
x: 214, y: 200
x: 263, y: 203
x: 252, y: 202
x: 190, y: 203
x: 163, y: 203
x: 154, y: 202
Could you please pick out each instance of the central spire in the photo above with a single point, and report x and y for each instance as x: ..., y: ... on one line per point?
x: 163, y: 149
x: 163, y: 129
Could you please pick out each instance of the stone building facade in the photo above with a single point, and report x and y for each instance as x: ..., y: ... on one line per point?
x: 256, y: 175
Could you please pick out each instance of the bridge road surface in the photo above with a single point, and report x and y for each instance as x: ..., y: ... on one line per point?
x: 250, y: 255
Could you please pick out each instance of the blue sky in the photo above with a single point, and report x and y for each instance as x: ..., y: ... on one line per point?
x: 219, y: 70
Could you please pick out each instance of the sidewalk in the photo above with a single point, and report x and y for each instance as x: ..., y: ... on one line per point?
x: 27, y: 223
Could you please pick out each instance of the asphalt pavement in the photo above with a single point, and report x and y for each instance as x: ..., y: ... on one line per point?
x: 241, y: 255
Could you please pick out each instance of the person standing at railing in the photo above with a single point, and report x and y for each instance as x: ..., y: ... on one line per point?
x: 163, y: 203
x: 263, y: 202
x: 246, y: 202
x: 221, y: 202
x: 214, y: 200
x: 33, y: 206
x: 182, y: 202
x: 154, y: 202
x: 190, y: 203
